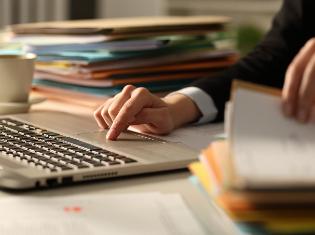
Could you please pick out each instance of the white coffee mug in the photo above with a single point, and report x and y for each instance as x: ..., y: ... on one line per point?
x: 16, y: 74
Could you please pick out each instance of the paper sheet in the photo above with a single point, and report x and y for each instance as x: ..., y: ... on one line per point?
x: 270, y: 149
x: 146, y: 213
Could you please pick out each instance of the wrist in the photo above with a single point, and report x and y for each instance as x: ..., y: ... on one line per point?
x: 182, y: 109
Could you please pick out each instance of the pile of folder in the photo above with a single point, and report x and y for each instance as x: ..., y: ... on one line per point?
x: 99, y: 57
x: 264, y: 183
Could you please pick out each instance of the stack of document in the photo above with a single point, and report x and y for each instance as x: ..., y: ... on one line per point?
x: 263, y: 174
x: 99, y: 57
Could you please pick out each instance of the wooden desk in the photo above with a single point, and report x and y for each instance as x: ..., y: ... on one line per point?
x: 172, y: 182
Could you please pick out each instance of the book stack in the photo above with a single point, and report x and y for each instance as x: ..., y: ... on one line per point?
x: 263, y: 174
x: 99, y: 57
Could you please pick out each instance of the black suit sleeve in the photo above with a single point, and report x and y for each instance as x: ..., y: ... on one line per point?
x: 267, y: 63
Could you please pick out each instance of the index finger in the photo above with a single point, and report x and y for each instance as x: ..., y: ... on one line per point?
x: 294, y: 76
x: 307, y: 92
x: 127, y: 114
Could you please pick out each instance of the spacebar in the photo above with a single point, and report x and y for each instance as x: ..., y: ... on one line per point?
x: 79, y: 143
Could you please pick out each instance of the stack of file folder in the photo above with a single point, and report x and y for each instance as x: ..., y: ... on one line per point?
x: 263, y: 174
x: 99, y: 57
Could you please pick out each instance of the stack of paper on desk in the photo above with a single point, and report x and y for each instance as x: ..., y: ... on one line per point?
x: 263, y: 174
x: 160, y: 53
x: 139, y: 214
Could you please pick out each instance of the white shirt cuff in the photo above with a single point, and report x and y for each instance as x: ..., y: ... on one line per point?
x: 203, y: 101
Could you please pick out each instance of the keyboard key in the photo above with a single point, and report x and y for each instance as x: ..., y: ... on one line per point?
x: 50, y: 133
x: 98, y: 165
x: 63, y: 168
x: 82, y: 166
x: 79, y: 143
x: 109, y: 162
x: 97, y: 158
x: 126, y: 160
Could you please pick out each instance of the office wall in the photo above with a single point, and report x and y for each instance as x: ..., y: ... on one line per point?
x: 257, y: 12
x: 22, y: 11
x: 129, y: 8
x: 254, y: 12
x: 243, y: 12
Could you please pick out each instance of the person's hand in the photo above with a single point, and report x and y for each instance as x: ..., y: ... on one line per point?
x: 298, y: 93
x: 144, y: 111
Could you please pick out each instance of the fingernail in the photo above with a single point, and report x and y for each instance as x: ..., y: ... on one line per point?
x: 302, y: 115
x: 288, y: 110
x: 110, y: 134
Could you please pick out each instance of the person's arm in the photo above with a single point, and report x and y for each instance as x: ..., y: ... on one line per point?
x: 203, y: 102
x: 268, y: 62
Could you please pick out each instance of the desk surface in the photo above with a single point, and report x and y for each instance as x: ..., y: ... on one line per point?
x: 171, y: 182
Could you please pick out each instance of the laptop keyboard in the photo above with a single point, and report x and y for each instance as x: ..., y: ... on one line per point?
x: 50, y: 151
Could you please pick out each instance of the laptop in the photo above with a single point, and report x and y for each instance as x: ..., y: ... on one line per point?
x: 44, y: 149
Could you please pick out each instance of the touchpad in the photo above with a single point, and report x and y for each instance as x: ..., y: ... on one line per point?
x: 145, y: 147
x: 132, y: 143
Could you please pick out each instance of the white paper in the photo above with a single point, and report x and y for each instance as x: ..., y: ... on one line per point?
x: 146, y: 213
x: 270, y: 149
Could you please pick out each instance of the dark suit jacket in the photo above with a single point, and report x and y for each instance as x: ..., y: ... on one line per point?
x: 292, y: 26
